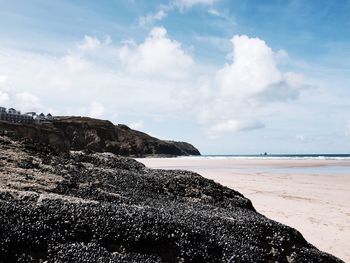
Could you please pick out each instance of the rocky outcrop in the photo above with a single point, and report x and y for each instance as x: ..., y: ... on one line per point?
x: 36, y: 133
x: 82, y: 133
x: 96, y: 207
x: 187, y: 148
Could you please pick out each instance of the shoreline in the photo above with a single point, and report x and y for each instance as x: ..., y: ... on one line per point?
x: 295, y: 193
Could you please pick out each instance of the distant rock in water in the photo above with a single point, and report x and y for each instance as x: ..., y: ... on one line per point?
x: 96, y: 207
x: 82, y: 133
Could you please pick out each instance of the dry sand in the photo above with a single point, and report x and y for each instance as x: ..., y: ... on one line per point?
x: 315, y: 201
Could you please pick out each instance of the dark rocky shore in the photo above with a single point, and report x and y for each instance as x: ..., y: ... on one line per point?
x: 79, y: 133
x: 97, y: 207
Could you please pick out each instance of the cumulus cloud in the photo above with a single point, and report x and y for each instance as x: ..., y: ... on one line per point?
x: 69, y: 82
x: 26, y: 101
x: 288, y: 89
x: 97, y: 110
x: 158, y: 56
x: 137, y: 125
x: 155, y: 77
x: 244, y: 88
x: 75, y: 63
x: 252, y: 71
x: 149, y: 19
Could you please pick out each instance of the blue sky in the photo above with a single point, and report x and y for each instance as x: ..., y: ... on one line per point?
x: 228, y: 76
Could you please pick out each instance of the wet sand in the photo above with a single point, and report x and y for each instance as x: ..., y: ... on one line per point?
x: 312, y: 196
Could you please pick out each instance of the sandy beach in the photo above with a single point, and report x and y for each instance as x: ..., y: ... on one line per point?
x: 312, y: 196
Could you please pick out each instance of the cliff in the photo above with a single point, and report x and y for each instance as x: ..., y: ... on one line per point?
x: 97, y: 207
x: 82, y: 133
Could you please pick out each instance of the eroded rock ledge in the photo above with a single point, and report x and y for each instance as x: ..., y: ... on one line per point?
x: 97, y: 207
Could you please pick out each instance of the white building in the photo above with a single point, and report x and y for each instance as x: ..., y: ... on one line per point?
x: 12, y: 115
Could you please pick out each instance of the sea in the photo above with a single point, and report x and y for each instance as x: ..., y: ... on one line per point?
x: 277, y: 156
x: 335, y: 164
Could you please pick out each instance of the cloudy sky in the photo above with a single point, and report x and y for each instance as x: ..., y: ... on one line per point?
x: 229, y: 76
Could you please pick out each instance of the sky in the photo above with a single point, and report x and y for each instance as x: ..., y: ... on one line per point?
x: 228, y: 76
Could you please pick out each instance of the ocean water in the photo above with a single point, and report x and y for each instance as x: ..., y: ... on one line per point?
x: 311, y: 164
x: 277, y: 157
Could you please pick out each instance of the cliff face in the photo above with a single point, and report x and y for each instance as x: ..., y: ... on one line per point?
x: 43, y: 134
x: 82, y: 133
x: 96, y: 207
x: 186, y: 147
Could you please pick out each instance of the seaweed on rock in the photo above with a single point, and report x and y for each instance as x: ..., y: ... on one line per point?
x: 97, y: 207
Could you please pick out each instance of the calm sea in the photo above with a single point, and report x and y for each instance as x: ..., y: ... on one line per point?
x: 335, y: 164
x: 280, y: 156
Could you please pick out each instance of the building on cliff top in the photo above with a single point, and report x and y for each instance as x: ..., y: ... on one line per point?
x: 12, y: 115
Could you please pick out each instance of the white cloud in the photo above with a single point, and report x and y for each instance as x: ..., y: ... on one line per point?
x: 3, y: 79
x: 190, y: 3
x: 108, y: 40
x: 155, y: 78
x: 235, y: 126
x: 149, y: 19
x: 4, y: 96
x: 253, y: 73
x: 89, y: 43
x: 75, y: 63
x: 253, y: 69
x: 294, y: 80
x: 26, y: 101
x: 158, y: 56
x: 281, y: 54
x: 137, y: 125
x: 4, y: 99
x: 347, y: 129
x: 67, y: 83
x: 245, y: 88
x: 97, y: 110
x: 214, y: 12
